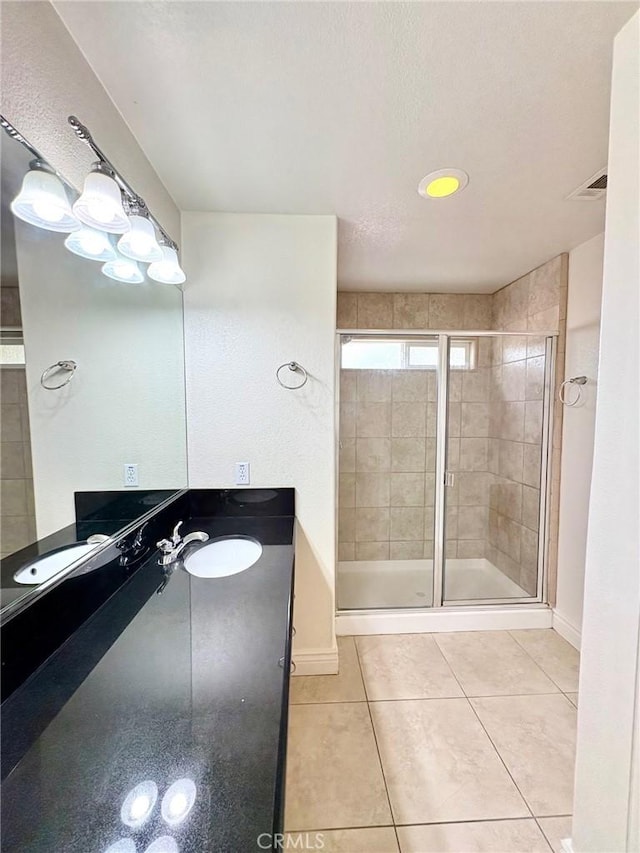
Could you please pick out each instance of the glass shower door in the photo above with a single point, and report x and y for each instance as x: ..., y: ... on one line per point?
x: 386, y: 471
x: 496, y: 445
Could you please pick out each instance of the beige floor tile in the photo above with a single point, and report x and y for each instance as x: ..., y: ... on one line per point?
x: 439, y: 764
x: 553, y: 654
x: 556, y: 829
x: 346, y: 686
x: 405, y: 666
x: 491, y: 663
x: 334, y: 777
x: 535, y: 736
x: 492, y: 836
x: 372, y: 840
x: 573, y: 698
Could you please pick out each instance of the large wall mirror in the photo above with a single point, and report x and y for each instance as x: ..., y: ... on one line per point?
x: 122, y: 405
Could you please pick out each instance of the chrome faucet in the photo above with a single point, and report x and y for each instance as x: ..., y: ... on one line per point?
x: 172, y: 548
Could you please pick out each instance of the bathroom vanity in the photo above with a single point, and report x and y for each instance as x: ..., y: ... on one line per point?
x: 174, y: 678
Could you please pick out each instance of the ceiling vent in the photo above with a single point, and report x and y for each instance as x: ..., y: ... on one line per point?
x: 592, y: 190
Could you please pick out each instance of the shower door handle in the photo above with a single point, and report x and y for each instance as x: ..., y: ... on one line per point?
x: 449, y: 478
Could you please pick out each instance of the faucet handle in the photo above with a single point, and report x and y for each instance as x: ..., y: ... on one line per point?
x: 165, y: 545
x: 175, y: 537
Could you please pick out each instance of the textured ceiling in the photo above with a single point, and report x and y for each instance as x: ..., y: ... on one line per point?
x: 343, y: 107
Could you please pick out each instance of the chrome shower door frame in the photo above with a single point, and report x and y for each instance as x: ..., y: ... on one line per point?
x: 444, y: 337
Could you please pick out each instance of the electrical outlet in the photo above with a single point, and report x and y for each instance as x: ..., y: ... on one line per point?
x: 242, y: 474
x: 131, y: 474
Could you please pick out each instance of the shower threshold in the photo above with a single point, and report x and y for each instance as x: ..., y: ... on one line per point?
x: 373, y: 584
x: 395, y: 596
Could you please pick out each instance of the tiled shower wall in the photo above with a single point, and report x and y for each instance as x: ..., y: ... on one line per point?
x: 386, y: 479
x: 387, y: 437
x: 17, y: 514
x: 538, y: 301
x: 515, y: 451
x: 17, y: 519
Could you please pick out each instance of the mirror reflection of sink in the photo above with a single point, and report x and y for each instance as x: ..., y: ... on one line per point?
x: 48, y: 565
x: 222, y: 557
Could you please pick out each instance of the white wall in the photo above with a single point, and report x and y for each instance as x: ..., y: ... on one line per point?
x: 45, y: 78
x: 581, y: 359
x: 262, y: 291
x: 605, y: 810
x: 126, y: 402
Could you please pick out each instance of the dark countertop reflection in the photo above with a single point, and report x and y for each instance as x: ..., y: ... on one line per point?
x: 193, y: 687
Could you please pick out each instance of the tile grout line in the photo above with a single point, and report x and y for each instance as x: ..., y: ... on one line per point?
x: 375, y: 740
x: 544, y: 672
x: 544, y: 835
x: 432, y: 823
x: 528, y: 807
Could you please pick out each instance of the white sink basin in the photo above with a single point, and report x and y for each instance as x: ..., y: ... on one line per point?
x: 45, y: 567
x: 223, y: 557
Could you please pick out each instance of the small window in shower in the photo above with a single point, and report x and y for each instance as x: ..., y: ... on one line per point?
x: 380, y: 354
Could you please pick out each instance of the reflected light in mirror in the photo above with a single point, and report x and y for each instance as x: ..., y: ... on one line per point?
x: 92, y: 244
x: 139, y: 803
x: 123, y: 845
x: 43, y: 201
x: 100, y: 204
x: 123, y: 269
x: 168, y: 270
x: 178, y: 801
x: 164, y: 844
x: 140, y: 242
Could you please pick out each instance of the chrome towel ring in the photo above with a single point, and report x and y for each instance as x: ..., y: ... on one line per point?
x: 295, y: 368
x: 577, y: 382
x: 68, y: 365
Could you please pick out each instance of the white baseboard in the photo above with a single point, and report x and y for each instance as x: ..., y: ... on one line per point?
x: 566, y: 630
x: 443, y: 619
x: 566, y: 846
x: 316, y: 661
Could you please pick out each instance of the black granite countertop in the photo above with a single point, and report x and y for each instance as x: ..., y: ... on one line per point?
x: 194, y: 686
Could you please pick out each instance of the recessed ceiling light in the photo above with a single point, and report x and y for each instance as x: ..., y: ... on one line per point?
x: 443, y: 183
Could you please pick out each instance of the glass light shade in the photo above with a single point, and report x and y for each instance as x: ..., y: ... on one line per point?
x: 100, y: 205
x: 140, y: 243
x: 43, y: 201
x: 123, y: 269
x: 168, y: 270
x: 92, y: 244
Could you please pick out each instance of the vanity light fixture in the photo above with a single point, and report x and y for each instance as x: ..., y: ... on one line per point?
x: 100, y: 204
x: 178, y: 801
x: 168, y: 270
x: 138, y: 804
x: 43, y: 201
x: 140, y: 242
x: 443, y: 183
x: 124, y: 270
x: 91, y: 244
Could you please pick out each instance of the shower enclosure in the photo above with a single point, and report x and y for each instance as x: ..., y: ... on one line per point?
x: 443, y: 468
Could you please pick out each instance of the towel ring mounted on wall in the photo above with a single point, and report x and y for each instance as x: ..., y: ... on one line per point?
x: 295, y: 368
x: 68, y: 365
x: 577, y: 382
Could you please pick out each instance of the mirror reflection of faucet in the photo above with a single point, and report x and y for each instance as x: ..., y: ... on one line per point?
x: 171, y: 550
